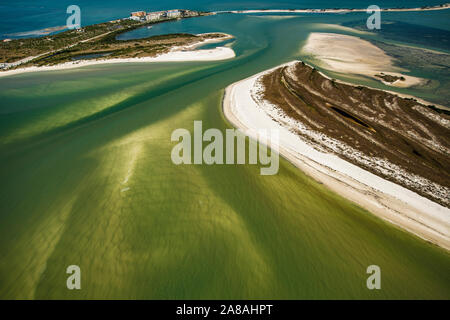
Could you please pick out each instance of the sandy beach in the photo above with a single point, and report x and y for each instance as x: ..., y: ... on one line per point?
x: 176, y: 54
x: 387, y: 200
x: 352, y: 55
x: 338, y: 27
x: 344, y: 10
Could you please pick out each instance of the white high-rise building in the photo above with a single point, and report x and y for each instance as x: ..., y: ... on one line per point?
x: 154, y: 16
x: 174, y: 13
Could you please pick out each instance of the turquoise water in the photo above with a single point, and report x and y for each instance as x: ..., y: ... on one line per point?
x: 193, y: 26
x: 400, y: 33
x: 28, y: 15
x: 88, y: 180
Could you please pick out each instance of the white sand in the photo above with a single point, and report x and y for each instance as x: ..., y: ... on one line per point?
x: 385, y: 199
x: 341, y: 28
x: 352, y: 55
x: 431, y: 8
x: 177, y: 54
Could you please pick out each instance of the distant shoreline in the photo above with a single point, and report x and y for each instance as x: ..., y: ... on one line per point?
x: 177, y: 54
x: 336, y: 10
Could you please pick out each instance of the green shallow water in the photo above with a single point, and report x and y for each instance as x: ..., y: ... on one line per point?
x: 87, y: 179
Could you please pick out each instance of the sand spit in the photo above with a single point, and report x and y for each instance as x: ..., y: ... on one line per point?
x: 176, y: 54
x: 352, y: 55
x: 341, y: 28
x: 389, y: 201
x: 343, y: 10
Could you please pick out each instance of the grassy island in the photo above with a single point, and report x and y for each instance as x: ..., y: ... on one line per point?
x: 99, y: 40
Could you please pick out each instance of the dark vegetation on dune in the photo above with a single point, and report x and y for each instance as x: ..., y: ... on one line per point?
x: 99, y: 39
x: 378, y: 124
